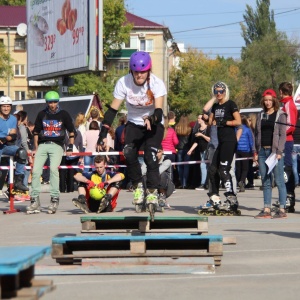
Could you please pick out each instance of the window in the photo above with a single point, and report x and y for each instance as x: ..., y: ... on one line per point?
x: 19, y: 95
x: 19, y: 70
x: 40, y: 95
x: 131, y: 43
x: 120, y: 66
x: 1, y: 93
x: 146, y: 45
x: 20, y: 44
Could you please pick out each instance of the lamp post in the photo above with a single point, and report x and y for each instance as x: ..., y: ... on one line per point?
x: 8, y: 51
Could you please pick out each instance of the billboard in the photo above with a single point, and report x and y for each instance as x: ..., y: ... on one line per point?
x: 64, y: 37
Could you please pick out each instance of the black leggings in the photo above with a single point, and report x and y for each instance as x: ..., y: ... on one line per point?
x: 220, y: 167
x: 137, y: 137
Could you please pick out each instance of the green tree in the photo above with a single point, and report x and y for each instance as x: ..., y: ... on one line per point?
x: 5, y: 64
x: 13, y: 2
x: 115, y: 28
x: 259, y: 22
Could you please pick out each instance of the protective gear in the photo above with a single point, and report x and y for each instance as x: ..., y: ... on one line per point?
x: 220, y: 122
x: 156, y: 118
x: 140, y: 61
x: 90, y: 184
x: 101, y: 185
x: 52, y: 96
x: 109, y: 117
x: 129, y: 152
x: 226, y: 178
x: 220, y: 84
x: 3, y: 140
x: 97, y: 194
x: 5, y: 100
x: 21, y: 156
x: 70, y: 148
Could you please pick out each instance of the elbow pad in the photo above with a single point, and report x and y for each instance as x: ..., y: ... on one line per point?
x: 107, y: 121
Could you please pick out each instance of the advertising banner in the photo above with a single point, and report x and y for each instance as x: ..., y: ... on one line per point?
x: 57, y: 37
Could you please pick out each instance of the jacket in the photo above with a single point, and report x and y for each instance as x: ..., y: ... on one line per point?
x: 279, y: 133
x: 245, y: 143
x: 290, y: 109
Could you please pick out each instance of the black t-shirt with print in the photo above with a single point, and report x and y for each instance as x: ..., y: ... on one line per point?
x: 225, y: 111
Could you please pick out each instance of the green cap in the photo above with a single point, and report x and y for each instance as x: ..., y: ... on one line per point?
x: 52, y: 96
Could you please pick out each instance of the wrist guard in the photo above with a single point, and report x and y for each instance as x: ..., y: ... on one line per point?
x: 70, y: 148
x: 107, y: 121
x: 221, y: 122
x: 156, y: 118
x: 3, y: 140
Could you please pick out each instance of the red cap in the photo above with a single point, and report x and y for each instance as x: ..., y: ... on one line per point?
x: 269, y: 92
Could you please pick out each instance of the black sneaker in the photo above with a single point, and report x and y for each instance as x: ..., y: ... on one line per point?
x: 249, y: 186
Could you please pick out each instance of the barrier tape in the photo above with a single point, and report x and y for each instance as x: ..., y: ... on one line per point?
x: 192, y: 162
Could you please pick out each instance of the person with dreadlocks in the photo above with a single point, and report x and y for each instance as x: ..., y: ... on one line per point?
x: 144, y: 95
x: 226, y: 115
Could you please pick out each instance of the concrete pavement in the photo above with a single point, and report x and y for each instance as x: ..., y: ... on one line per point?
x: 265, y: 262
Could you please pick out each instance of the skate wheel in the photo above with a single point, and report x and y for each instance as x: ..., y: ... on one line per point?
x: 218, y: 213
x: 200, y: 212
x: 238, y: 212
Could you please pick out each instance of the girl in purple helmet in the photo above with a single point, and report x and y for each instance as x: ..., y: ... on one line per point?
x: 144, y: 95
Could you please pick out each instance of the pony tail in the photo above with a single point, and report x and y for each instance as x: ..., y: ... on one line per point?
x: 149, y: 92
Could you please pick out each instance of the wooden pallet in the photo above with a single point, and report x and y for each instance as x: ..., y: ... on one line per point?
x: 92, y: 224
x: 73, y: 249
x: 17, y: 273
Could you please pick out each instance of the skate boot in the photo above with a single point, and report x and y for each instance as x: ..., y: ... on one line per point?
x: 105, y: 204
x: 54, y: 202
x: 209, y: 208
x: 18, y: 184
x: 35, y: 205
x: 230, y: 206
x: 162, y: 199
x: 81, y: 203
x: 290, y: 203
x: 152, y: 202
x: 138, y: 194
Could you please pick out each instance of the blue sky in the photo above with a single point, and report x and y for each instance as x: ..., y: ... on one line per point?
x: 184, y: 15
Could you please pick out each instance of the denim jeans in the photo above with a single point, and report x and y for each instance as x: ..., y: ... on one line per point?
x: 88, y: 161
x: 11, y: 151
x: 203, y: 168
x: 183, y: 170
x: 55, y: 153
x: 295, y: 156
x: 266, y: 178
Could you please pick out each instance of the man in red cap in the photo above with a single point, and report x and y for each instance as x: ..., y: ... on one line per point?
x: 286, y: 91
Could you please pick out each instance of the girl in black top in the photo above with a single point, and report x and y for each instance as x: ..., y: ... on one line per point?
x: 225, y: 113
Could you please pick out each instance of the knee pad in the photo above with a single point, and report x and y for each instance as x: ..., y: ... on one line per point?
x: 224, y: 173
x: 130, y: 153
x: 150, y: 158
x: 21, y: 156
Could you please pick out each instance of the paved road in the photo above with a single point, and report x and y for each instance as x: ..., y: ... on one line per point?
x: 264, y: 264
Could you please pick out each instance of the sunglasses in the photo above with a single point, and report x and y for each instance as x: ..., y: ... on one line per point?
x: 216, y: 92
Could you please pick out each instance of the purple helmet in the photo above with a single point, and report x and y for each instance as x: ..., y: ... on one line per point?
x: 140, y: 61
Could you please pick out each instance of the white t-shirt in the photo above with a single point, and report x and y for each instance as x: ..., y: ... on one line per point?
x: 137, y: 102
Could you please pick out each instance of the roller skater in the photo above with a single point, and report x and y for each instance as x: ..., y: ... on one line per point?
x: 8, y: 136
x: 98, y: 190
x: 144, y: 95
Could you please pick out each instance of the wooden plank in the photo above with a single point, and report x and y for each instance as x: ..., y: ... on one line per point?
x: 142, y: 223
x: 229, y: 240
x: 158, y: 265
x: 138, y: 247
